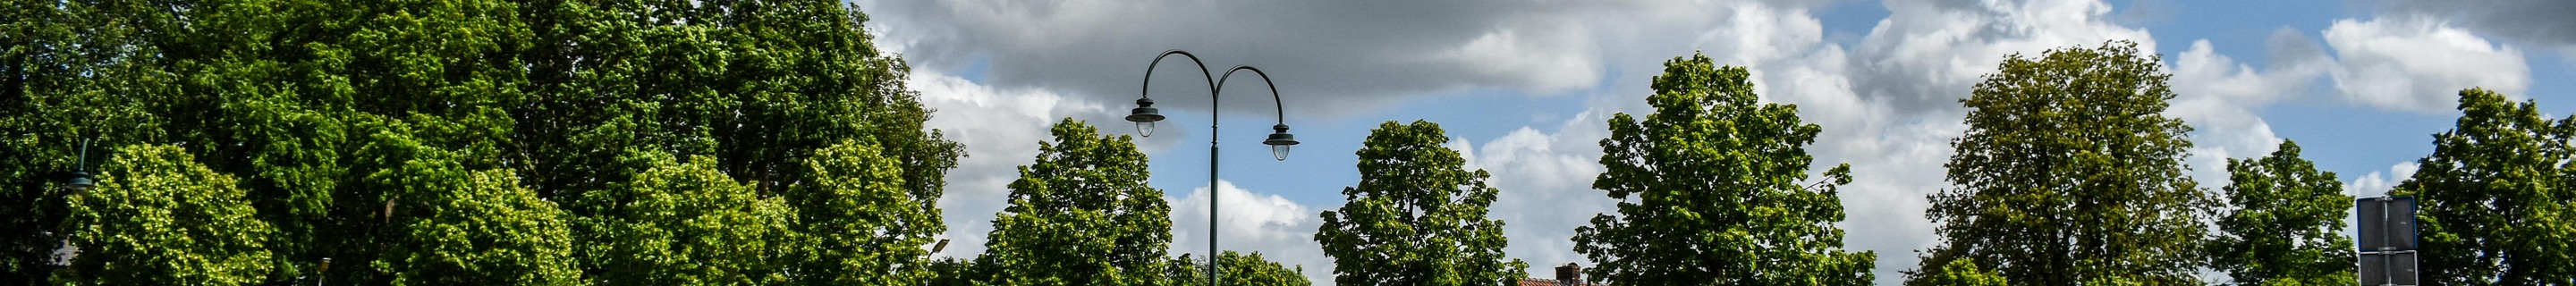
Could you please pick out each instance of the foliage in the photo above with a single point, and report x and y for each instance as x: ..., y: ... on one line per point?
x: 1252, y: 270
x: 2286, y: 224
x: 2069, y: 173
x: 684, y: 224
x: 2494, y: 196
x: 65, y: 68
x: 451, y: 226
x: 159, y: 218
x: 1240, y: 269
x: 950, y: 271
x: 1417, y: 217
x: 1080, y: 215
x: 1710, y: 194
x: 860, y: 225
x: 1960, y: 272
x: 759, y: 84
x: 331, y: 113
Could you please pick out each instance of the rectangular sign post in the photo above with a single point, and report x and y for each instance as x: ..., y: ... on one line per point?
x: 2388, y: 240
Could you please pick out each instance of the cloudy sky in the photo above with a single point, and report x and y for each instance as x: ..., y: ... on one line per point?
x: 1524, y: 86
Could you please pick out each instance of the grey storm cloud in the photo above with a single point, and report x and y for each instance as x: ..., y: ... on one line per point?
x: 2543, y: 22
x: 1326, y: 56
x: 1330, y: 55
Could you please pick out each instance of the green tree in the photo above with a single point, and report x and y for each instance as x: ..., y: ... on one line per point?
x: 2069, y: 173
x: 451, y: 226
x: 2494, y: 196
x: 67, y: 69
x: 1959, y: 272
x: 159, y: 218
x: 1240, y: 269
x: 761, y: 85
x: 772, y: 90
x: 2286, y: 223
x: 316, y: 107
x: 860, y: 225
x: 1716, y: 172
x: 1417, y: 216
x: 1080, y: 215
x: 684, y: 224
x: 1252, y: 270
x: 950, y: 271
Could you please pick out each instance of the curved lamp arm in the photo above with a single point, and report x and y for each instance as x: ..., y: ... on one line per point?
x: 1145, y: 114
x: 1279, y: 140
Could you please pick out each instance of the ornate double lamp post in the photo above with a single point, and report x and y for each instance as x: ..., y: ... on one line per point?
x: 1145, y: 115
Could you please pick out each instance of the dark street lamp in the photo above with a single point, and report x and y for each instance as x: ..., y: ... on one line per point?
x: 80, y: 175
x: 1145, y: 115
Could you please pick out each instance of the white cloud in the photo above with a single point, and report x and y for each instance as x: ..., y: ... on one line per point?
x: 2377, y: 183
x: 2420, y: 63
x: 1541, y: 57
x: 1546, y: 183
x: 1281, y: 230
x: 1001, y: 129
x: 2217, y: 96
x: 1928, y: 54
x: 1759, y: 34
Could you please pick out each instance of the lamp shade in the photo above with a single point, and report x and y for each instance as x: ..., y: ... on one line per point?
x: 80, y: 182
x: 1280, y: 141
x: 1144, y: 116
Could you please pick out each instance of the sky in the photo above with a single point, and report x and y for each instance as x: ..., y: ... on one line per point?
x: 1523, y: 88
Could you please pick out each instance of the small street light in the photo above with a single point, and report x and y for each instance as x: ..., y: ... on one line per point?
x: 80, y: 182
x: 80, y: 175
x: 1144, y: 116
x: 1279, y: 142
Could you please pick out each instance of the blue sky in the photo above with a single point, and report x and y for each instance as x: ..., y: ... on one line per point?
x: 1523, y: 87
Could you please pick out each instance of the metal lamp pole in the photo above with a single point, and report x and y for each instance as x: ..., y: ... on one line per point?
x: 1145, y: 115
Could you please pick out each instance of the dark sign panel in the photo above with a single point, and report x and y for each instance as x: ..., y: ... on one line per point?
x: 2387, y: 240
x: 2392, y: 268
x: 2387, y: 223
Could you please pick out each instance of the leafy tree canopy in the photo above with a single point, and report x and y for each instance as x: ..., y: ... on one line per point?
x: 159, y: 218
x: 332, y: 115
x: 684, y: 224
x: 1959, y: 272
x: 1709, y: 190
x: 1240, y: 269
x: 2069, y: 173
x: 860, y: 226
x: 451, y: 226
x: 1417, y: 217
x: 1080, y: 215
x: 2285, y: 225
x: 2494, y: 196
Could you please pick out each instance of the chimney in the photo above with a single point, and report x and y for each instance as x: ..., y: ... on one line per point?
x: 1569, y: 274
